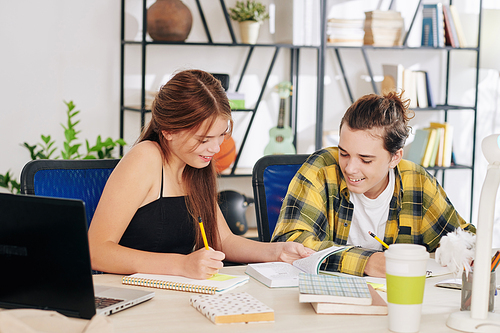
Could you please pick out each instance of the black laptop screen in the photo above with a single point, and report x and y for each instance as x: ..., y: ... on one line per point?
x: 44, y: 255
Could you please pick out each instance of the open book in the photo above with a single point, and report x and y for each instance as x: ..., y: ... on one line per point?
x: 217, y: 284
x: 281, y: 274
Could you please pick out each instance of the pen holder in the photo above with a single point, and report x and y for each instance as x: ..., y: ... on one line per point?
x: 467, y: 292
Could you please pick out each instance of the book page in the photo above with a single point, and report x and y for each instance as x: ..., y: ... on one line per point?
x: 312, y: 263
x: 277, y: 270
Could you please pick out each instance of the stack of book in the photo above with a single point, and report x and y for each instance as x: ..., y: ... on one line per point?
x: 432, y: 146
x: 383, y: 28
x: 414, y: 84
x: 345, y: 32
x: 331, y: 294
x: 441, y: 26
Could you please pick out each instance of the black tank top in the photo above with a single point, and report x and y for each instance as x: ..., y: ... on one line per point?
x: 163, y: 225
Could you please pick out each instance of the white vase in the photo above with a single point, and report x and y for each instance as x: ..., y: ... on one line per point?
x: 249, y: 31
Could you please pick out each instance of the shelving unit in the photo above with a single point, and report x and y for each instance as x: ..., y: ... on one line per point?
x: 446, y: 108
x: 294, y: 51
x: 294, y: 65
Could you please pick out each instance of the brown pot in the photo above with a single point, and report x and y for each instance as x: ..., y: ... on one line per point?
x: 169, y: 20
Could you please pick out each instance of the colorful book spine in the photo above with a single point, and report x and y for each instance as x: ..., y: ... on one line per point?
x: 432, y: 25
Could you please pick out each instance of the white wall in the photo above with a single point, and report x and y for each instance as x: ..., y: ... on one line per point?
x: 70, y: 50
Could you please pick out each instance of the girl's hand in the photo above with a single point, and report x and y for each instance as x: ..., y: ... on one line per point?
x: 203, y: 264
x: 291, y: 251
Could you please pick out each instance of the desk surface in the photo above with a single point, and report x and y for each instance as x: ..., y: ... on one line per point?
x: 170, y: 311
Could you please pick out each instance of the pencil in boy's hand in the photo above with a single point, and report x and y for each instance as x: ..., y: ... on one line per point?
x: 203, y: 233
x: 378, y: 239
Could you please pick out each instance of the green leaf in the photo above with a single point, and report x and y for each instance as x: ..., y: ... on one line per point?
x: 121, y: 142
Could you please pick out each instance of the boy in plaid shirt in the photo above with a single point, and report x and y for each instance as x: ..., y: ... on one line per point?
x: 341, y: 193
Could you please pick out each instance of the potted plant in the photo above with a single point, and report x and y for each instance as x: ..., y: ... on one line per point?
x: 250, y: 15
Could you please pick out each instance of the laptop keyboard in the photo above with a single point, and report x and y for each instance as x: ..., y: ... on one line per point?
x: 102, y: 302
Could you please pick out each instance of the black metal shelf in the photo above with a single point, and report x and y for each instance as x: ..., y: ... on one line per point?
x: 403, y: 48
x: 285, y: 46
x: 294, y: 65
x: 446, y: 108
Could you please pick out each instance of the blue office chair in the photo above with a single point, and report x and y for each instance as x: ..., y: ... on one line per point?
x: 270, y: 178
x: 72, y: 179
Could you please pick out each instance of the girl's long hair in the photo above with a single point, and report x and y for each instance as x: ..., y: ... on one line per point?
x: 185, y: 102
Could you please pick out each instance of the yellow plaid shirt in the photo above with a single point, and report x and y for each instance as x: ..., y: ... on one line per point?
x: 317, y: 212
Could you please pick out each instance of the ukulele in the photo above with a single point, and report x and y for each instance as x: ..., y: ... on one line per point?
x: 281, y: 136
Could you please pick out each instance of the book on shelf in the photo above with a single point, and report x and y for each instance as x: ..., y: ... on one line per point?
x: 439, y: 155
x: 429, y: 148
x: 435, y: 147
x: 450, y: 31
x: 414, y: 84
x: 458, y: 26
x: 378, y: 306
x: 432, y: 146
x: 421, y: 87
x: 432, y: 25
x: 345, y: 289
x: 383, y: 28
x: 417, y: 148
x: 393, y: 77
x: 345, y: 32
x: 217, y: 284
x: 281, y: 274
x: 430, y: 98
x: 410, y: 87
x: 447, y: 142
x: 232, y: 308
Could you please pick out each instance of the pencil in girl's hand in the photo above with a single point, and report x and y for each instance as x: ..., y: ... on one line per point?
x: 378, y: 239
x: 203, y: 233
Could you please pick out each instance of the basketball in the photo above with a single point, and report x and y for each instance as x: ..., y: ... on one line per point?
x: 226, y: 156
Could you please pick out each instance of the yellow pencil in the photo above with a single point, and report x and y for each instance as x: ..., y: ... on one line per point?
x: 203, y: 233
x: 378, y: 239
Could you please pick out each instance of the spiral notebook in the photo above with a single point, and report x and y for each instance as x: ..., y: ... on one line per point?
x: 217, y: 284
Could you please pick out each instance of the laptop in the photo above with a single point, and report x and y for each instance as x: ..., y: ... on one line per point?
x: 45, y: 261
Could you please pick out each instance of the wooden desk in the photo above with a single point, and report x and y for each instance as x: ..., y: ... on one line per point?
x: 170, y: 311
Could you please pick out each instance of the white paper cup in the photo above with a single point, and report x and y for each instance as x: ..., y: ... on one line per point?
x: 405, y: 266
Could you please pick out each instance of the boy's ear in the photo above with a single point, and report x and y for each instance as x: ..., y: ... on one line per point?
x: 398, y: 156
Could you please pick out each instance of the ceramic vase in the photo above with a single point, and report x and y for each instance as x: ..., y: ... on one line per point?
x: 169, y: 20
x: 249, y: 31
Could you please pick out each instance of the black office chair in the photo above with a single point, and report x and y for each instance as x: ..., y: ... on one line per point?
x: 72, y: 179
x: 270, y: 178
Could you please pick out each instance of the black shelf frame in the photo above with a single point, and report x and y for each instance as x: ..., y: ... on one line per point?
x: 294, y: 74
x: 446, y: 107
x: 294, y: 71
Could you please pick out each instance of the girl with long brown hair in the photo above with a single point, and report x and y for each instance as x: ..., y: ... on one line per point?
x: 147, y: 217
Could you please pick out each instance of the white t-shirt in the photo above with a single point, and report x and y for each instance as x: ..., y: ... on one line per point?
x: 370, y: 215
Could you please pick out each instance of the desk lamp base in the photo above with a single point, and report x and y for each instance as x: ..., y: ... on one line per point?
x: 462, y: 321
